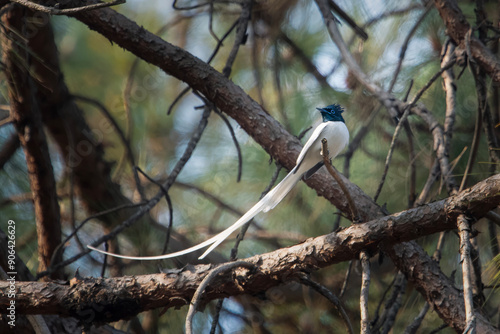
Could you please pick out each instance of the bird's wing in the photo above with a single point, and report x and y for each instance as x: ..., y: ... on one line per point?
x: 311, y: 143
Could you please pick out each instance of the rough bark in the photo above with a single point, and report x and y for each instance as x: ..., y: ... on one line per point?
x: 437, y: 289
x: 80, y: 145
x: 227, y: 96
x: 458, y: 29
x: 55, y: 323
x: 25, y: 114
x: 236, y: 103
x: 103, y: 300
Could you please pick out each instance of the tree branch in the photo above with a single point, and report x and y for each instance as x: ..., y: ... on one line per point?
x: 126, y: 296
x: 365, y: 288
x: 57, y: 11
x: 227, y: 96
x: 25, y: 113
x: 458, y: 29
x: 464, y: 228
x: 439, y: 291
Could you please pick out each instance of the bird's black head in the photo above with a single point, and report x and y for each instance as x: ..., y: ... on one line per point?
x: 332, y: 113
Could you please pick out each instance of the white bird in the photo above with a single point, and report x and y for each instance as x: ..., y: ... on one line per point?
x: 333, y: 129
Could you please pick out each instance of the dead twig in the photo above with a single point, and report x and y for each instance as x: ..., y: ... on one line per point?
x: 206, y: 281
x: 57, y: 11
x: 464, y: 228
x: 406, y: 113
x: 365, y: 287
x: 354, y: 211
x: 322, y: 290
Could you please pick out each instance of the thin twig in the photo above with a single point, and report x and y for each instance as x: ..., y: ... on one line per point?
x: 415, y: 324
x: 271, y: 183
x: 447, y: 54
x: 127, y: 116
x: 7, y: 120
x: 125, y: 140
x: 304, y: 58
x: 322, y: 290
x: 145, y: 207
x: 465, y: 257
x: 358, y: 138
x: 481, y: 96
x: 406, y: 113
x: 365, y: 286
x: 357, y: 29
x: 170, y: 207
x: 9, y: 149
x: 384, y: 15
x: 212, y: 56
x: 60, y: 248
x: 354, y: 211
x: 406, y: 42
x: 241, y: 35
x: 434, y: 173
x: 346, y: 280
x: 105, y: 260
x: 393, y: 304
x: 391, y: 103
x: 210, y: 21
x: 376, y: 316
x: 220, y: 203
x: 57, y: 11
x: 195, y: 301
x: 277, y: 64
x: 215, y: 320
x: 255, y: 68
x: 413, y: 327
x: 235, y: 141
x: 439, y: 329
x: 177, y: 99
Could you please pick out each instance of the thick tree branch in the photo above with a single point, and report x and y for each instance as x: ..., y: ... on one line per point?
x: 438, y: 290
x: 395, y: 106
x: 80, y: 144
x: 55, y: 323
x: 227, y: 96
x: 236, y: 103
x: 25, y: 113
x: 459, y: 30
x: 110, y: 299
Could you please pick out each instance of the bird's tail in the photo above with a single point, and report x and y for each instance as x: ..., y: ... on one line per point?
x: 267, y: 203
x: 279, y: 192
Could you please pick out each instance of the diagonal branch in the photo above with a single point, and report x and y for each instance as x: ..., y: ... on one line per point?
x: 439, y: 291
x: 224, y: 94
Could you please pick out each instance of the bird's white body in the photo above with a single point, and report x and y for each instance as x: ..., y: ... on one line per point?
x: 337, y: 137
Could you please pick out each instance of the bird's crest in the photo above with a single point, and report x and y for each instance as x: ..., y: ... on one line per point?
x: 332, y: 113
